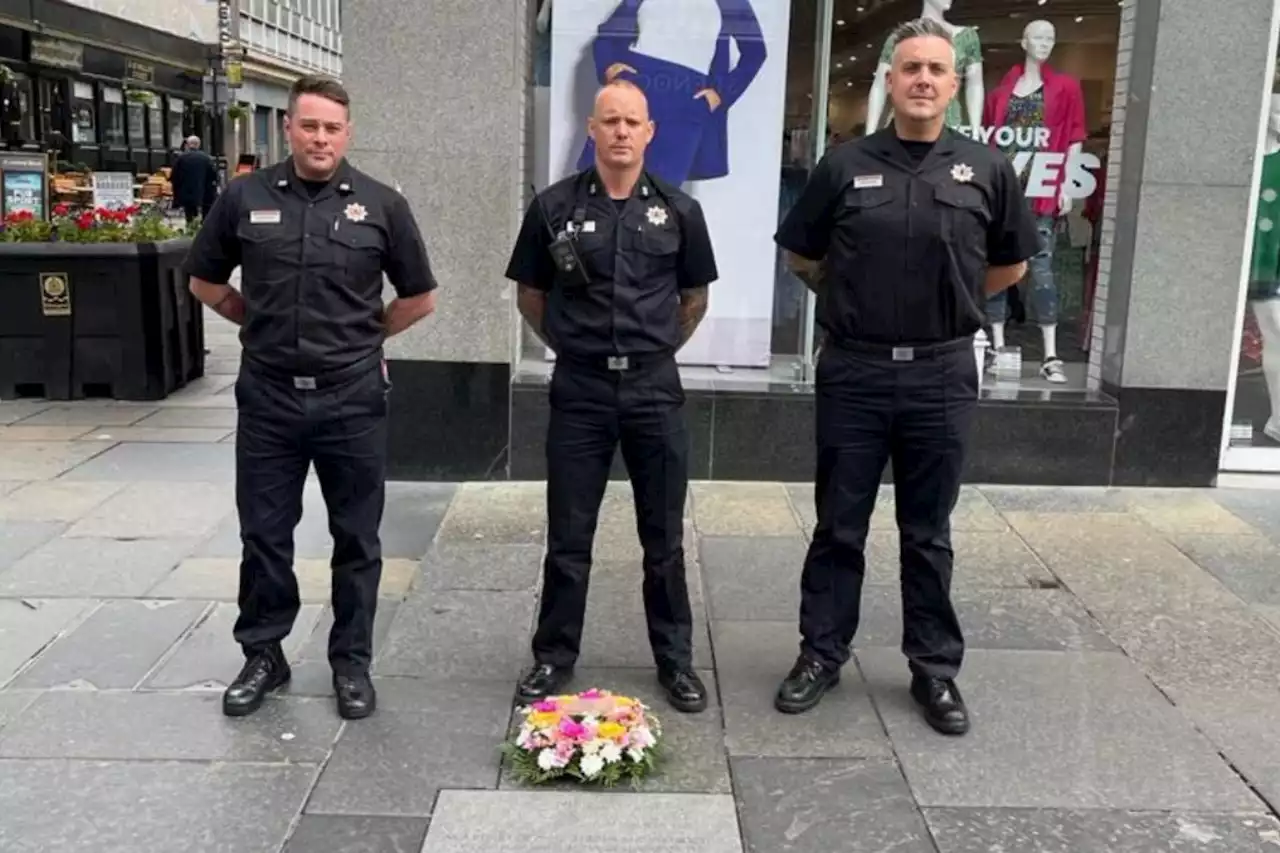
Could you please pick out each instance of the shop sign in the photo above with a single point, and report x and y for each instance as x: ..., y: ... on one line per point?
x: 235, y: 73
x: 57, y: 53
x: 1045, y: 172
x: 112, y: 190
x: 227, y: 13
x: 55, y: 294
x: 139, y: 72
x: 24, y: 183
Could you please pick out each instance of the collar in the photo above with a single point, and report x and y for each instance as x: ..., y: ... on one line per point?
x: 886, y: 145
x: 285, y: 176
x: 1047, y: 74
x: 644, y: 188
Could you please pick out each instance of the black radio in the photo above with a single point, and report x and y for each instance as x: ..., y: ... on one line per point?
x: 564, y: 247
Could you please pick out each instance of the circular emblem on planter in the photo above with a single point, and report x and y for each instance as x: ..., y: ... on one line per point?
x: 55, y: 294
x: 55, y: 285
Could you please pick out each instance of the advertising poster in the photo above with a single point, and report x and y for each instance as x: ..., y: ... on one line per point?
x: 24, y: 184
x: 714, y: 72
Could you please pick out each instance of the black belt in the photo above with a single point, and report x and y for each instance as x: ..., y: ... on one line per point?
x: 900, y: 352
x: 317, y: 381
x: 615, y: 363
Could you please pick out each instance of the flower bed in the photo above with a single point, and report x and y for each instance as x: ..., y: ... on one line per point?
x: 592, y: 737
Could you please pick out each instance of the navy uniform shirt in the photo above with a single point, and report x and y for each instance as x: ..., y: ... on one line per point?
x: 639, y: 253
x: 906, y: 231
x: 312, y: 255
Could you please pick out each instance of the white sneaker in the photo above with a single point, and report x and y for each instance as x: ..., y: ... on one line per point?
x: 1052, y: 370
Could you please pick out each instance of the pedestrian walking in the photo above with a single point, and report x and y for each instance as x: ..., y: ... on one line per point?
x: 902, y: 235
x: 613, y: 266
x: 312, y: 236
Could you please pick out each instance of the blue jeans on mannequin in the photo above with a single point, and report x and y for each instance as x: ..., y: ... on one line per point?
x: 1044, y: 290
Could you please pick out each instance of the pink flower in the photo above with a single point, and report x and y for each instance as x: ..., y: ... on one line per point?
x: 546, y: 706
x: 572, y: 730
x: 593, y: 693
x: 564, y: 751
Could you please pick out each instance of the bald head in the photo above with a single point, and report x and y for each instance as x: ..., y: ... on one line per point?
x: 620, y: 125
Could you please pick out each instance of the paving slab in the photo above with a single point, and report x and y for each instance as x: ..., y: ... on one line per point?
x: 148, y: 807
x: 818, y: 806
x: 505, y: 821
x: 424, y: 738
x: 1258, y: 508
x: 20, y: 538
x: 158, y: 435
x: 54, y: 500
x: 1054, y: 730
x: 752, y: 658
x: 114, y: 648
x: 15, y: 702
x: 1118, y: 562
x: 1077, y: 499
x: 12, y: 411
x: 172, y: 462
x: 1184, y: 511
x: 121, y: 725
x: 1233, y: 650
x: 695, y: 760
x: 460, y: 634
x: 1043, y: 619
x: 25, y: 432
x: 1243, y: 726
x: 187, y: 418
x: 29, y: 625
x: 92, y: 415
x: 1075, y: 831
x: 208, y: 658
x: 45, y: 460
x: 462, y: 565
x: 218, y: 578
x: 158, y: 510
x: 749, y: 578
x: 1246, y: 565
x: 497, y: 514
x: 350, y: 834
x: 104, y: 568
x: 743, y: 509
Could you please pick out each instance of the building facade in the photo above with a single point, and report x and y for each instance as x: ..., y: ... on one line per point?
x: 1135, y: 353
x: 100, y: 91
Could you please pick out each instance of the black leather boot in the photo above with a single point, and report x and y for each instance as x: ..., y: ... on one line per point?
x: 804, y: 686
x: 542, y: 681
x: 944, y: 708
x: 685, y: 691
x: 262, y: 673
x: 356, y: 697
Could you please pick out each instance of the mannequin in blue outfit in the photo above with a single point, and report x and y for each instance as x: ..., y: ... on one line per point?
x: 678, y: 52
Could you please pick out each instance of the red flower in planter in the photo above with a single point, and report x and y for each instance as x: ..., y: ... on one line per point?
x: 61, y: 209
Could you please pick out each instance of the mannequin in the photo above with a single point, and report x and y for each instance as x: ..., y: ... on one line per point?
x: 1264, y: 274
x: 1034, y: 95
x: 968, y: 67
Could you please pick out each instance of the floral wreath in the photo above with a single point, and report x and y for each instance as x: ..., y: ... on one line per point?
x: 593, y: 737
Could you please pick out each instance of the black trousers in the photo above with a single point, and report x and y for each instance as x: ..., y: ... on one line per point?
x: 341, y: 428
x: 593, y: 411
x: 917, y: 413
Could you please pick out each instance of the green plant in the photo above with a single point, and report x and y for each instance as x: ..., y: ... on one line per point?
x: 236, y: 112
x: 134, y: 224
x: 140, y: 96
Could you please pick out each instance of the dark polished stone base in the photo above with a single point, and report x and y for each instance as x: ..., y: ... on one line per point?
x: 454, y: 421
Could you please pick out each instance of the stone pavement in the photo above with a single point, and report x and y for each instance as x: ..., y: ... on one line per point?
x: 1122, y: 668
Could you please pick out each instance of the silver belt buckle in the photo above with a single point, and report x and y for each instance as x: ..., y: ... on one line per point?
x: 304, y: 383
x: 904, y: 353
x: 618, y: 362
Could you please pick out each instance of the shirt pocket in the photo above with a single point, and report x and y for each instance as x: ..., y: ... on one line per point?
x: 656, y: 251
x: 866, y: 217
x: 963, y: 214
x: 357, y: 249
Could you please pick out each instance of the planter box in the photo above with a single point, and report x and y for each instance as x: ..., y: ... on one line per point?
x: 109, y: 320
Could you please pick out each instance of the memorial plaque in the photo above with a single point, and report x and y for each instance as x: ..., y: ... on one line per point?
x: 587, y: 822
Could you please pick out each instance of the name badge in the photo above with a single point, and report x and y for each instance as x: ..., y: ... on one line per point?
x: 264, y: 217
x: 867, y: 182
x: 589, y: 227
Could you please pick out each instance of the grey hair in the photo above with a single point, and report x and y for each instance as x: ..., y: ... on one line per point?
x: 921, y: 28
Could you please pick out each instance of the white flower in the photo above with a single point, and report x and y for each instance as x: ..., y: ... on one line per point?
x: 591, y: 765
x: 591, y: 747
x: 547, y: 760
x: 641, y: 737
x: 525, y: 737
x: 611, y: 753
x: 636, y: 755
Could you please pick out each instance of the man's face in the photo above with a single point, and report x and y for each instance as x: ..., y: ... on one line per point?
x: 620, y: 126
x: 922, y: 78
x: 318, y: 131
x: 1038, y: 40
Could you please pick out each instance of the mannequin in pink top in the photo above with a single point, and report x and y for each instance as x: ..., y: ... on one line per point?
x: 1034, y: 95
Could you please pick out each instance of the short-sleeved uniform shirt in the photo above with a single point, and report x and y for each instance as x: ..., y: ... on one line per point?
x: 312, y: 256
x: 906, y: 231
x: 968, y: 53
x: 639, y: 254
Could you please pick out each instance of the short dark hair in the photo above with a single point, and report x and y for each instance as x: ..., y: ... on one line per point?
x: 318, y: 84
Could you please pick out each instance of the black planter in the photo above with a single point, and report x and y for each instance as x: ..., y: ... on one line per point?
x: 109, y: 320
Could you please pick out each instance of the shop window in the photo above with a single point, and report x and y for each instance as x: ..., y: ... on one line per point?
x: 19, y: 118
x: 1253, y: 430
x: 83, y: 124
x: 176, y: 136
x: 113, y: 126
x: 1036, y: 84
x: 156, y: 122
x: 135, y: 115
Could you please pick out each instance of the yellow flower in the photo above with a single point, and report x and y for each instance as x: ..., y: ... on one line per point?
x: 610, y: 731
x: 544, y: 719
